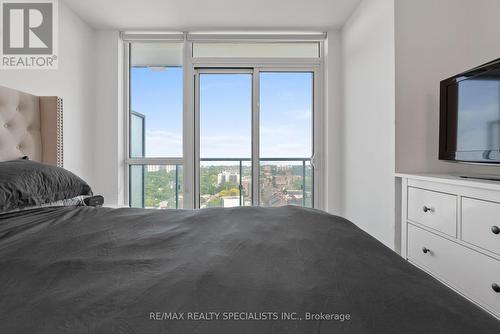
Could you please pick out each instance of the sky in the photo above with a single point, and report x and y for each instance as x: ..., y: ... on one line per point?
x: 225, y: 113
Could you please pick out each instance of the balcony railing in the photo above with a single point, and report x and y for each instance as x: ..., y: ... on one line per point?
x: 148, y: 188
x: 304, y: 163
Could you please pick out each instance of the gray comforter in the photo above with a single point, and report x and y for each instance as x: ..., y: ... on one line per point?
x: 244, y: 270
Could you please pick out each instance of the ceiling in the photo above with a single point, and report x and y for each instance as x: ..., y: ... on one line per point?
x: 194, y: 15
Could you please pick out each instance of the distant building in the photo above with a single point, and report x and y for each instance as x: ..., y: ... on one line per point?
x: 288, y: 198
x: 227, y: 177
x: 246, y: 184
x: 157, y: 168
x: 230, y: 201
x: 163, y: 205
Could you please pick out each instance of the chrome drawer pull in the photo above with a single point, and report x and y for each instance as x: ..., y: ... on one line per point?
x: 495, y: 287
x: 426, y: 250
x: 427, y: 208
x: 495, y: 229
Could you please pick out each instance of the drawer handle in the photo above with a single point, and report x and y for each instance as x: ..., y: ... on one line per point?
x: 495, y: 287
x: 495, y: 229
x: 426, y: 250
x: 427, y: 208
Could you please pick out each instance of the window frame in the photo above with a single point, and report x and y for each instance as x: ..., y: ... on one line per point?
x: 191, y: 65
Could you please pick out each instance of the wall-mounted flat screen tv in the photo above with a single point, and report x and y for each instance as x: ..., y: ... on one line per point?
x: 470, y: 116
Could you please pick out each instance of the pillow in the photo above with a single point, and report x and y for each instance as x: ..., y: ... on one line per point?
x: 75, y: 201
x: 25, y: 183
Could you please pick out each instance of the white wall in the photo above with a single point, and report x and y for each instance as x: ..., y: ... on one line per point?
x: 88, y: 79
x: 109, y: 152
x: 435, y: 40
x: 367, y: 122
x: 333, y: 114
x: 73, y: 81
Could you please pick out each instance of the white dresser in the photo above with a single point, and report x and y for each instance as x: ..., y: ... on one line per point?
x: 451, y: 229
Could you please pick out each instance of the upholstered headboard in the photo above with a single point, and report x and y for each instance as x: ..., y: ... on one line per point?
x: 31, y: 126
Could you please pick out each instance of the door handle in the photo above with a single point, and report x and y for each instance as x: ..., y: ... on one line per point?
x: 313, y: 161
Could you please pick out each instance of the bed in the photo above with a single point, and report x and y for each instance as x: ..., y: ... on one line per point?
x: 72, y: 268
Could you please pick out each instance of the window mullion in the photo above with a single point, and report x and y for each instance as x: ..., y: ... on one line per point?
x: 196, y: 136
x: 255, y: 137
x: 155, y: 161
x: 189, y: 131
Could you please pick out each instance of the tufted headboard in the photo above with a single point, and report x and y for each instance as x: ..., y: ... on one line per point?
x: 31, y: 126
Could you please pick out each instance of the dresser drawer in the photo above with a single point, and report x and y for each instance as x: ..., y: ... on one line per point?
x: 471, y: 272
x: 433, y: 209
x: 481, y: 223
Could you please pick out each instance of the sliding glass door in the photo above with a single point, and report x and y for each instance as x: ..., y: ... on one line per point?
x: 286, y: 138
x: 254, y: 140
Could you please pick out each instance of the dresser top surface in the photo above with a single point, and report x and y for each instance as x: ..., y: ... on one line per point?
x: 455, y: 179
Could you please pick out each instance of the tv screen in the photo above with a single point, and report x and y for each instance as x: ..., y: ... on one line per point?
x: 470, y: 115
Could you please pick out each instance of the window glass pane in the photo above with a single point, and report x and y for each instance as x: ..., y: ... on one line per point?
x: 286, y: 183
x: 225, y: 139
x: 256, y: 50
x: 156, y: 186
x: 156, y: 95
x: 222, y: 186
x: 137, y: 134
x: 136, y: 187
x: 225, y: 115
x: 286, y: 120
x: 286, y: 102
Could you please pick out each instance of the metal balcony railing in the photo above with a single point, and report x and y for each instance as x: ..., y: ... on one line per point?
x: 238, y: 166
x: 239, y: 163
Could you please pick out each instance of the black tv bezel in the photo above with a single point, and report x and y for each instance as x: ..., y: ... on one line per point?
x: 461, y: 156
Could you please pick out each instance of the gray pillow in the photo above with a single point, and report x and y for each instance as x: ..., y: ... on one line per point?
x: 75, y: 201
x: 25, y: 183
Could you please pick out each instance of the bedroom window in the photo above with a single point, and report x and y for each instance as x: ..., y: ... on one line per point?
x: 155, y: 125
x: 224, y: 120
